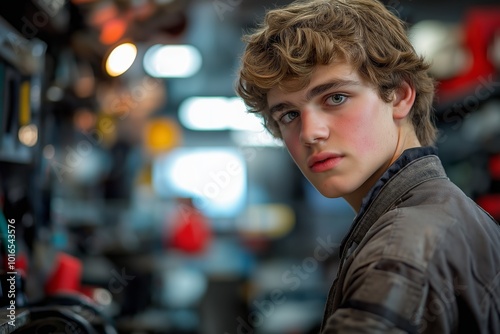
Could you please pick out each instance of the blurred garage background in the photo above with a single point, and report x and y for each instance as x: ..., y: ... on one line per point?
x: 142, y: 197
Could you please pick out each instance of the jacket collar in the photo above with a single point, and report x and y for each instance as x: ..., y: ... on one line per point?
x: 425, y: 165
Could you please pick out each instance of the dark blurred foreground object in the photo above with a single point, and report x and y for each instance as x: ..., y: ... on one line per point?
x: 64, y: 308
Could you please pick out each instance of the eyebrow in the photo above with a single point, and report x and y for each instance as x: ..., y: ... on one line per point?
x: 315, y: 91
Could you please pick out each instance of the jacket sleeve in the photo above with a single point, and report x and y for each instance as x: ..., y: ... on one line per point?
x: 383, y: 297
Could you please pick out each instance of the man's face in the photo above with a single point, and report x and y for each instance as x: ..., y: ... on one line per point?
x: 339, y: 132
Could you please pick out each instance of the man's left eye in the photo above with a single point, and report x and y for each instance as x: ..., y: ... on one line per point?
x: 336, y: 99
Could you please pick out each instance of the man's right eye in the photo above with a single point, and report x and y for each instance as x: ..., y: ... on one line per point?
x: 288, y: 117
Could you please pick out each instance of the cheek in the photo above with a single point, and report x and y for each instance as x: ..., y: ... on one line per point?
x: 366, y: 129
x: 358, y: 128
x: 293, y: 147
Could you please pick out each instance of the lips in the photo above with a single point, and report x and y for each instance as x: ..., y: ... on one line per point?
x: 323, y: 161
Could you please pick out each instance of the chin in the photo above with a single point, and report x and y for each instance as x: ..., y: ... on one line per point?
x: 335, y: 189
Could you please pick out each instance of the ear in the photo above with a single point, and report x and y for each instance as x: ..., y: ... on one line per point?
x: 404, y: 97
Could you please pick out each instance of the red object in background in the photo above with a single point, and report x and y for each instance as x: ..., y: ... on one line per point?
x: 66, y: 276
x: 481, y: 24
x: 191, y: 231
x: 22, y: 264
x: 112, y: 31
x: 494, y: 167
x: 491, y: 204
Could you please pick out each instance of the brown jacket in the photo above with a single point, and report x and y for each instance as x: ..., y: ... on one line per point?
x: 421, y: 258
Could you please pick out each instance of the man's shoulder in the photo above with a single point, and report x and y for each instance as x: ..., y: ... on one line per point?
x: 410, y: 235
x: 434, y: 217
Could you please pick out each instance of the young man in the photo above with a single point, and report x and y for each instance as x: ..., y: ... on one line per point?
x: 339, y: 82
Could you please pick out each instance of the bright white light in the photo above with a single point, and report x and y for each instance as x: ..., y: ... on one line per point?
x: 103, y: 296
x: 172, y: 61
x: 120, y: 59
x: 183, y: 287
x: 28, y: 135
x: 441, y: 45
x: 217, y: 113
x: 216, y: 178
x: 269, y: 219
x: 428, y: 36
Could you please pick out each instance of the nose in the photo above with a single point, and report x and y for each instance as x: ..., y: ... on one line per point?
x: 314, y: 127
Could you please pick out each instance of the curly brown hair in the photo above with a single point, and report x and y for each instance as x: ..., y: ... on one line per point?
x: 286, y: 47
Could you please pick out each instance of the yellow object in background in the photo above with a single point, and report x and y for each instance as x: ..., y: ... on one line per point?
x: 161, y: 135
x: 267, y: 220
x: 105, y: 132
x: 24, y: 104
